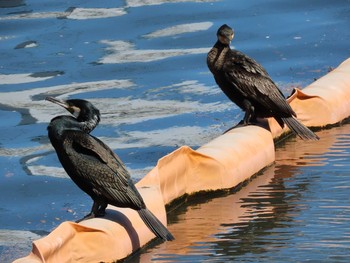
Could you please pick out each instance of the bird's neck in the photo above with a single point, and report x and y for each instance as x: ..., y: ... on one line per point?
x: 216, y: 56
x: 88, y: 124
x: 60, y: 124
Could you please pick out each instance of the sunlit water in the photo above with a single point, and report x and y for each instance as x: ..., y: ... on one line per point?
x: 143, y: 64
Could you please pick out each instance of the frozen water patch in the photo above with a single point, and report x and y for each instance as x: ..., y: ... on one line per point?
x: 180, y: 29
x: 138, y: 3
x: 119, y: 51
x: 129, y: 111
x: 137, y: 174
x: 33, y: 100
x: 70, y: 13
x: 7, y: 152
x: 173, y: 136
x: 94, y: 13
x: 34, y: 15
x: 186, y: 87
x: 125, y: 110
x: 35, y: 168
x: 25, y: 78
x: 113, y: 110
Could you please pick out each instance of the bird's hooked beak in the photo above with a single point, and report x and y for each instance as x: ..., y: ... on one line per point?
x: 72, y: 109
x: 226, y: 38
x: 62, y: 103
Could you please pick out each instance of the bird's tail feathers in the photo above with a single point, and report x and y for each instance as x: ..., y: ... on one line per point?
x: 300, y: 129
x: 153, y: 223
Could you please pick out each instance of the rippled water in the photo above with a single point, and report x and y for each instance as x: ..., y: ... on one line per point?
x: 296, y: 210
x: 143, y: 64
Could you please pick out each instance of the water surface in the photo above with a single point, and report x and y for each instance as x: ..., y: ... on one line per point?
x: 296, y: 210
x: 143, y: 64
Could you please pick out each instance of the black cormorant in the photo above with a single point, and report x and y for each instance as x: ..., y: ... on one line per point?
x: 248, y: 85
x: 93, y: 166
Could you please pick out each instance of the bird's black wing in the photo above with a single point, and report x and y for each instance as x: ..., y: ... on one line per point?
x: 252, y: 80
x: 102, y: 168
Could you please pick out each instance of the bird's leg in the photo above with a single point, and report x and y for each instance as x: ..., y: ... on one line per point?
x: 248, y: 116
x: 249, y: 112
x: 97, y: 210
x: 101, y: 210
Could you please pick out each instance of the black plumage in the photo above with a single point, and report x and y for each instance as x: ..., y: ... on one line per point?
x: 93, y: 166
x: 247, y: 84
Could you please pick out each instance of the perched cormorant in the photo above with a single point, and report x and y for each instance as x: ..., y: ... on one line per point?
x: 93, y: 166
x: 248, y: 85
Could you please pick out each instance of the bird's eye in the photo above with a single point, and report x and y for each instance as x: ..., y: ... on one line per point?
x: 75, y: 111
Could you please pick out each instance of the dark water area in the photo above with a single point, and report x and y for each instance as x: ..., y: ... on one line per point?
x: 143, y: 64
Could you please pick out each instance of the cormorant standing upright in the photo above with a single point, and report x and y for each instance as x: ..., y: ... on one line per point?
x: 248, y: 85
x: 93, y: 166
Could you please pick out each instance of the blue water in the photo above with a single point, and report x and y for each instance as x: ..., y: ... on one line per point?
x: 155, y: 94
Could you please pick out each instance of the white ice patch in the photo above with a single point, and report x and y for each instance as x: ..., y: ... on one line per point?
x: 173, y: 136
x: 70, y: 13
x: 93, y: 13
x: 119, y: 51
x: 21, y: 78
x: 138, y: 3
x: 180, y: 29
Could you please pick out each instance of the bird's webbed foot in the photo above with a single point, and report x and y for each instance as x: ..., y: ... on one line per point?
x: 97, y: 210
x: 249, y: 116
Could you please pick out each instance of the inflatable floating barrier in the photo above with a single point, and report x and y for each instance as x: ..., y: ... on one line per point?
x: 223, y: 163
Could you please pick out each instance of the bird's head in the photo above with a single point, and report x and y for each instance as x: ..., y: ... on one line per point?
x: 83, y: 110
x: 225, y: 34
